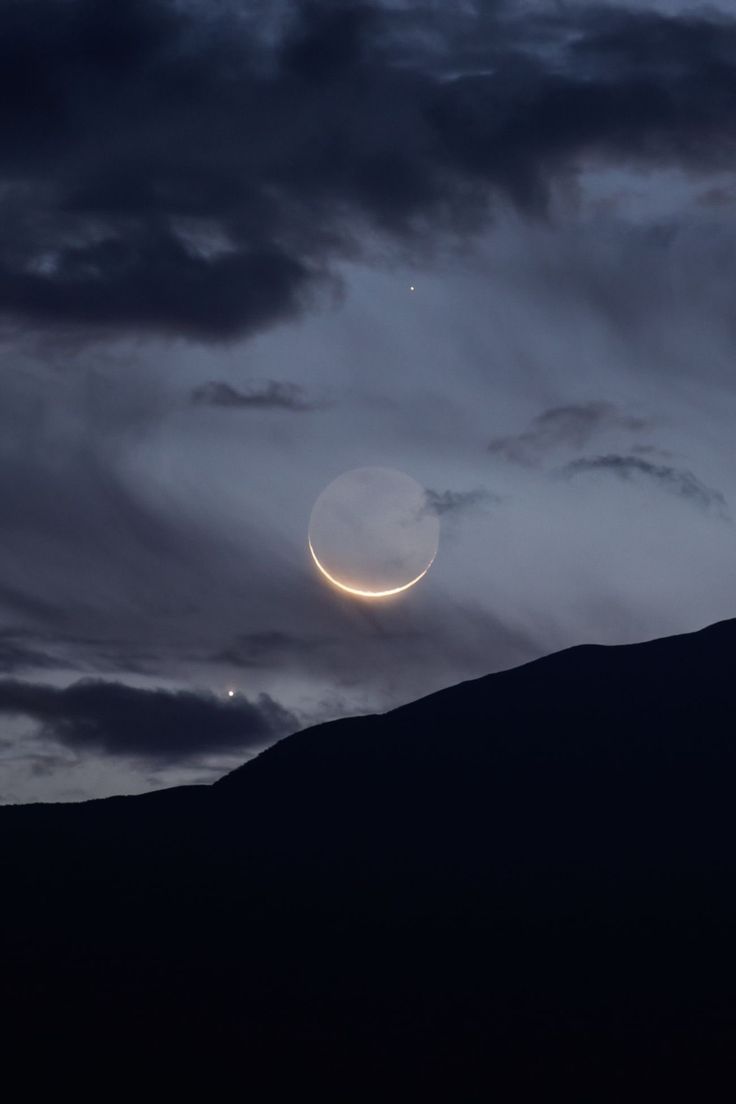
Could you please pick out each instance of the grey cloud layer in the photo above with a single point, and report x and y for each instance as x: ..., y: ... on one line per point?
x: 18, y: 654
x: 157, y: 724
x: 175, y: 167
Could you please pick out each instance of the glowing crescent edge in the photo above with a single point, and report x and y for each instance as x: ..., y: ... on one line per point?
x: 367, y: 593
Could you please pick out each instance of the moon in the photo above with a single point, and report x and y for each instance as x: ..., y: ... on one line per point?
x: 372, y: 534
x: 366, y: 593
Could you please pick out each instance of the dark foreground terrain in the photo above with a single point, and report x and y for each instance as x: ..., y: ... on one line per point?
x: 522, y: 884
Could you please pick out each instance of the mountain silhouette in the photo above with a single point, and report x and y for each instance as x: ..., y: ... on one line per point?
x: 522, y: 884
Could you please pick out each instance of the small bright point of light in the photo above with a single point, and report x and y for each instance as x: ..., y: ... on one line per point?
x: 412, y: 288
x: 231, y: 693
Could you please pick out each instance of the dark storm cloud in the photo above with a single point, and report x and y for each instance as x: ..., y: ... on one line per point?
x: 271, y: 395
x: 676, y: 481
x: 158, y: 724
x: 196, y: 168
x: 571, y: 426
x: 453, y: 502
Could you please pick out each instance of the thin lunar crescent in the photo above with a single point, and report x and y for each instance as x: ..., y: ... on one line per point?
x: 372, y: 534
x: 367, y: 593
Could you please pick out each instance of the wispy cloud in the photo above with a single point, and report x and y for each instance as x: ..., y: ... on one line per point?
x: 269, y: 395
x: 453, y: 502
x: 572, y: 426
x: 677, y: 481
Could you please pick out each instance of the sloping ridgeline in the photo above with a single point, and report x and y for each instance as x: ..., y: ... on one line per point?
x: 523, y: 883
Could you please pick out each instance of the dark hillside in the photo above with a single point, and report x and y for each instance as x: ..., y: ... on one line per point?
x: 524, y: 881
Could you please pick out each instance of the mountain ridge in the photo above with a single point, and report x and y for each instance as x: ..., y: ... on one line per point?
x: 493, y: 681
x: 528, y: 879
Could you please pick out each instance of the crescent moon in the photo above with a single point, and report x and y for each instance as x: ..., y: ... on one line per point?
x: 366, y: 593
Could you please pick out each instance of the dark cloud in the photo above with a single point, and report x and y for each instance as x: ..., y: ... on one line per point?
x: 452, y: 502
x: 271, y: 395
x: 163, y: 725
x: 196, y: 169
x: 677, y: 481
x: 571, y: 426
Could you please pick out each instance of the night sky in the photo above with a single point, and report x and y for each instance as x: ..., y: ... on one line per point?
x: 212, y: 217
